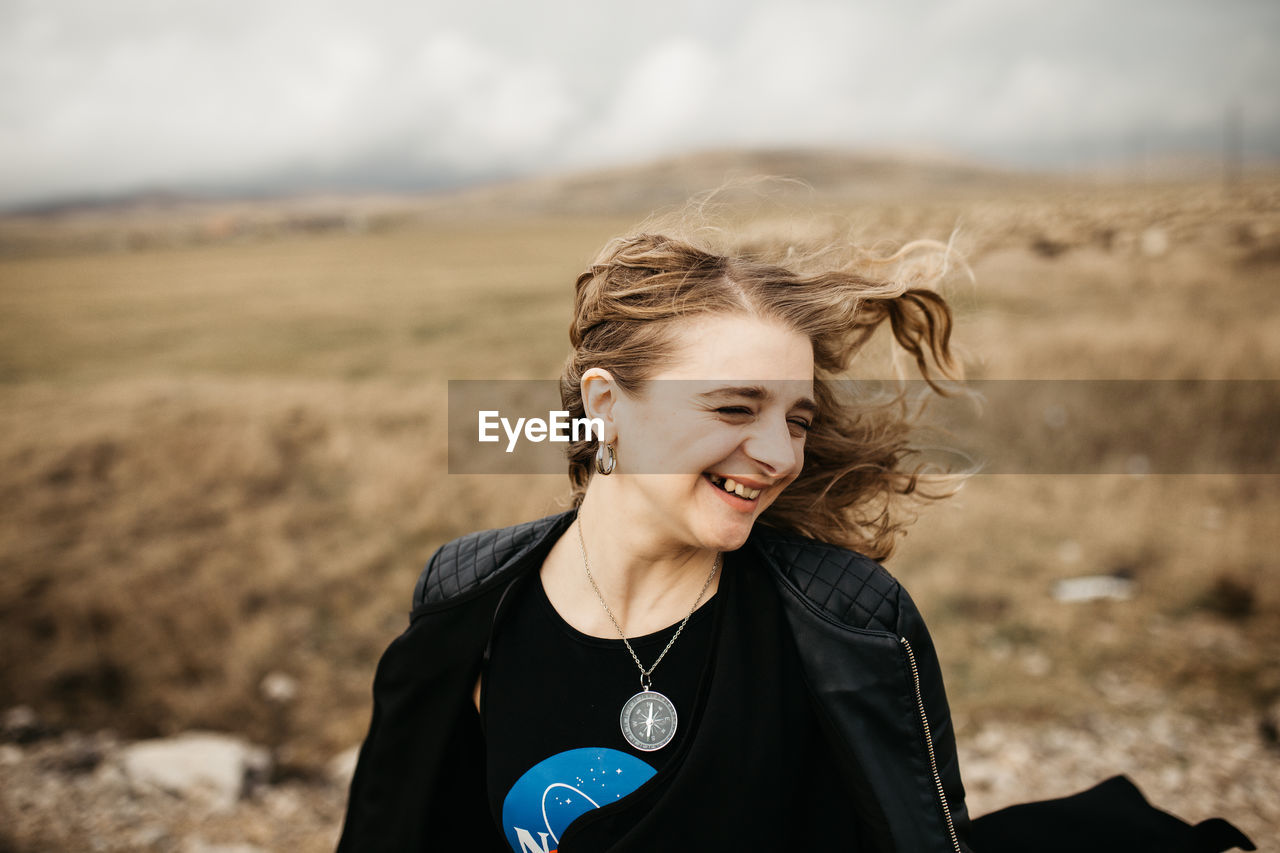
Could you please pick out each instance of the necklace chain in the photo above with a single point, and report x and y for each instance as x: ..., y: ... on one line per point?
x: 645, y: 674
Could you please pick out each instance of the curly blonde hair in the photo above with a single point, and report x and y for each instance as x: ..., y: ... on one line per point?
x: 857, y: 473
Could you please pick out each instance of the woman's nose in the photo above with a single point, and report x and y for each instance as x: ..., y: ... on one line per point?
x: 772, y: 446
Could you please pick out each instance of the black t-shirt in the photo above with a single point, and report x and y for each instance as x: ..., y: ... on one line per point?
x: 551, y: 702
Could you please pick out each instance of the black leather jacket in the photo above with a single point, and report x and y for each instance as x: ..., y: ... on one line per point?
x: 867, y: 659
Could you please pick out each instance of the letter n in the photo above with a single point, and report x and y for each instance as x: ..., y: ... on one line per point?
x: 528, y: 845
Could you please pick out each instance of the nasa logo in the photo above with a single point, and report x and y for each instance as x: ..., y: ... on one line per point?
x: 555, y: 791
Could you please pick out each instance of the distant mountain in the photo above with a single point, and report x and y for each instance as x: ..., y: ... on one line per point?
x: 829, y: 172
x: 826, y: 174
x: 808, y: 176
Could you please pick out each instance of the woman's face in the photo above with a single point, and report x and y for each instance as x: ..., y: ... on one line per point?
x: 731, y: 412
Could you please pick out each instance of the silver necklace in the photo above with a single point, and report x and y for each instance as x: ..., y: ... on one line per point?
x: 648, y: 718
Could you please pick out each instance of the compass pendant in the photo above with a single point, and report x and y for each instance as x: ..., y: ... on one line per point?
x: 648, y: 720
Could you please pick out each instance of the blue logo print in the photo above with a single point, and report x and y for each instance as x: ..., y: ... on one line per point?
x: 552, y: 793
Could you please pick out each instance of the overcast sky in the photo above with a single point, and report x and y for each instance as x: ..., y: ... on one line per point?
x: 124, y: 95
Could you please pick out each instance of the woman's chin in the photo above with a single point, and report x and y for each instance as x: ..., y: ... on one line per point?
x: 727, y: 533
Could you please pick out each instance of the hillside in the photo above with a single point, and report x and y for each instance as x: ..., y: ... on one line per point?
x: 223, y: 462
x: 815, y: 177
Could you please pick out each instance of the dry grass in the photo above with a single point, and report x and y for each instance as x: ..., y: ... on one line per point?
x: 223, y: 459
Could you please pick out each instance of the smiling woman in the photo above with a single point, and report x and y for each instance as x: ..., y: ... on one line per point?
x: 702, y: 653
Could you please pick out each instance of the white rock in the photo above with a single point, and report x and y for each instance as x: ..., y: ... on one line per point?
x: 1154, y: 242
x: 20, y: 722
x: 1092, y: 588
x: 279, y: 687
x: 343, y: 766
x: 206, y: 764
x: 19, y: 717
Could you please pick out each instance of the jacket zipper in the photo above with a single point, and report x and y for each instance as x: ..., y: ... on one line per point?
x: 928, y: 742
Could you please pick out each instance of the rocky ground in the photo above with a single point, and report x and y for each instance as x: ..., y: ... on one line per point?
x: 214, y: 793
x: 198, y: 792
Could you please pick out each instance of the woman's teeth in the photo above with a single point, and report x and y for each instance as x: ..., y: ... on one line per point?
x: 736, y: 488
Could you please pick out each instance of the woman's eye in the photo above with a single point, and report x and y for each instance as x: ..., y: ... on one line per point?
x: 801, y: 424
x: 734, y: 410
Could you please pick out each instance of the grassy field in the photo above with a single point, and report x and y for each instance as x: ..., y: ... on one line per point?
x: 224, y: 457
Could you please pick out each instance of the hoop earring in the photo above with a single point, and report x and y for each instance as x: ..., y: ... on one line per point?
x: 600, y: 464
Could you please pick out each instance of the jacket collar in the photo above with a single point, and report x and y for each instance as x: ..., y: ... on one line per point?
x: 843, y: 585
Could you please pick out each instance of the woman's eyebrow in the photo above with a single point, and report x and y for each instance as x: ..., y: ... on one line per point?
x: 756, y: 392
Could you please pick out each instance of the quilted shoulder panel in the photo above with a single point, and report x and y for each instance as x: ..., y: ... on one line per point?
x: 850, y: 587
x: 464, y: 563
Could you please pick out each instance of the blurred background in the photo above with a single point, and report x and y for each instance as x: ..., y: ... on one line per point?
x: 244, y: 246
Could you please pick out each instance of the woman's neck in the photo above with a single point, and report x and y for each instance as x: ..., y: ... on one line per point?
x: 648, y: 577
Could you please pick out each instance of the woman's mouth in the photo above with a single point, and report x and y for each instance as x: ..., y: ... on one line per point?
x: 731, y: 486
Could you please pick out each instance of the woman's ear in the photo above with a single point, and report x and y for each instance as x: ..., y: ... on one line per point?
x: 599, y: 396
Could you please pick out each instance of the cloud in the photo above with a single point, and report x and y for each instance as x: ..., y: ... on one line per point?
x: 659, y: 105
x: 474, y: 106
x: 104, y: 98
x: 175, y: 106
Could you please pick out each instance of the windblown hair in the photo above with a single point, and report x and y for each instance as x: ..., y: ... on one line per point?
x: 857, y: 476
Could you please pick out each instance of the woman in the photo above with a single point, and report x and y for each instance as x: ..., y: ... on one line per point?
x: 703, y: 654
